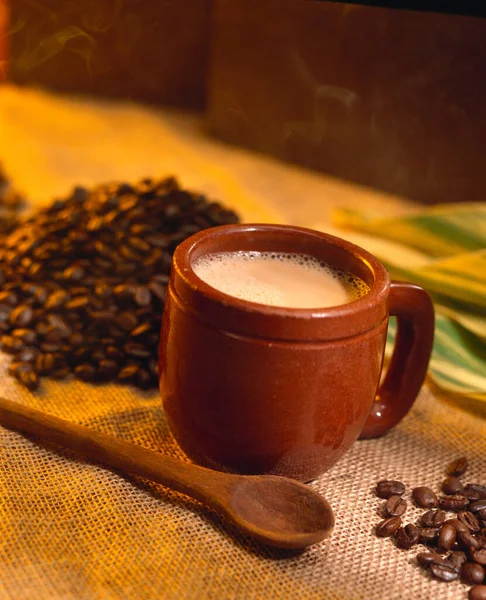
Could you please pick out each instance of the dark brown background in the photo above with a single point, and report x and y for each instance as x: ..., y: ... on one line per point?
x: 152, y: 50
x: 388, y: 98
x: 392, y: 99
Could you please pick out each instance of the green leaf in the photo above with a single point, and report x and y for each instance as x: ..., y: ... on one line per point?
x: 439, y: 231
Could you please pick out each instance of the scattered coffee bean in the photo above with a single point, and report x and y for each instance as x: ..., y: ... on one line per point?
x: 457, y: 559
x: 387, y: 488
x: 453, y: 503
x: 388, y: 527
x: 466, y: 540
x: 469, y: 520
x: 459, y: 525
x: 452, y: 485
x: 395, y: 506
x: 424, y: 497
x: 476, y: 488
x: 461, y: 540
x: 477, y: 506
x: 433, y: 518
x: 408, y: 536
x: 457, y: 467
x: 478, y: 555
x: 472, y: 573
x: 478, y: 592
x: 425, y: 559
x: 429, y: 535
x: 443, y: 571
x: 447, y: 538
x: 90, y: 273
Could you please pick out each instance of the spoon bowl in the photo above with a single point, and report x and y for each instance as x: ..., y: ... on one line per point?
x: 275, y: 510
x: 280, y: 511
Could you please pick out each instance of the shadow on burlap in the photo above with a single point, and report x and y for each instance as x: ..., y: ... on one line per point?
x: 74, y: 530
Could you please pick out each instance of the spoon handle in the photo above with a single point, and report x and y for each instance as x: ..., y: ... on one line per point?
x: 208, y: 486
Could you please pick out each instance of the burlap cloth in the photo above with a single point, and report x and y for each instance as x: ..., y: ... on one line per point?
x: 74, y: 530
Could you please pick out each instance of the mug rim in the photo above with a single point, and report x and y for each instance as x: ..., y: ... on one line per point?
x: 237, y: 315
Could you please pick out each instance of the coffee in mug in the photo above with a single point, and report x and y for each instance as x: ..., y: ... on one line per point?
x: 279, y: 279
x: 257, y: 388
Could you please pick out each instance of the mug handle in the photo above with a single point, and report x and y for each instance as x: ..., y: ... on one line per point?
x: 413, y: 308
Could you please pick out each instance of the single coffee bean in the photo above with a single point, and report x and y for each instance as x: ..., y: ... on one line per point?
x: 457, y: 467
x: 29, y: 379
x: 44, y: 363
x: 56, y: 300
x: 447, y: 538
x: 408, y: 536
x: 395, y: 506
x: 27, y: 336
x: 10, y: 344
x: 127, y: 374
x: 85, y: 372
x: 60, y: 373
x: 478, y: 556
x: 387, y: 487
x: 137, y: 350
x: 21, y: 316
x: 424, y: 497
x: 108, y: 368
x: 469, y: 520
x: 466, y: 540
x: 481, y: 514
x: 443, y: 571
x: 142, y: 296
x: 16, y: 367
x: 141, y: 332
x: 477, y: 488
x: 453, y: 503
x: 160, y: 291
x: 74, y: 273
x: 9, y: 297
x: 457, y: 559
x: 433, y: 518
x: 425, y: 559
x: 472, y: 573
x: 471, y: 495
x: 126, y: 321
x: 459, y: 525
x: 452, y: 485
x: 77, y: 303
x: 429, y: 535
x: 28, y: 354
x: 478, y: 592
x: 388, y: 527
x: 477, y: 506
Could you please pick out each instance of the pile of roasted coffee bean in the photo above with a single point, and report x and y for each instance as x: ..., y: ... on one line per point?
x: 453, y: 527
x: 83, y: 281
x: 11, y: 203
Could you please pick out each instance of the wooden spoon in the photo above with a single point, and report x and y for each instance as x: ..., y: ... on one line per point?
x: 275, y: 510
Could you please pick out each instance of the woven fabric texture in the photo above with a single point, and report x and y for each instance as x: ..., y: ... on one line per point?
x: 70, y: 529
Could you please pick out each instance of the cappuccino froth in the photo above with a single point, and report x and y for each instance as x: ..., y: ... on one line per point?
x: 279, y: 279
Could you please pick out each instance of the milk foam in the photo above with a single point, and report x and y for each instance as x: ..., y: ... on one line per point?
x: 279, y: 279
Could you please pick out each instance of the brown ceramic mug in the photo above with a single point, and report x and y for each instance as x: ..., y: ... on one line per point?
x: 263, y: 389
